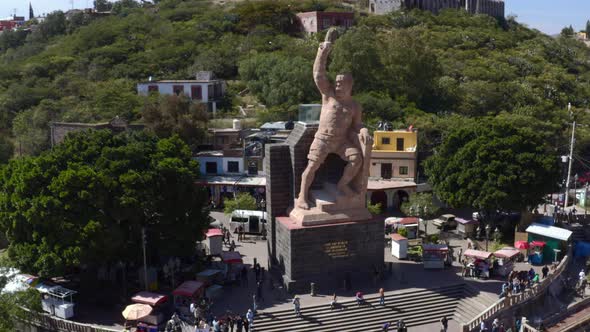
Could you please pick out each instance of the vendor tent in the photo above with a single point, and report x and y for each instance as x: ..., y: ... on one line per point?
x: 479, y: 254
x: 554, y: 237
x: 231, y: 257
x: 188, y: 288
x: 150, y: 298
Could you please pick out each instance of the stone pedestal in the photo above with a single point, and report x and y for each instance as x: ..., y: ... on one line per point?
x: 326, y: 254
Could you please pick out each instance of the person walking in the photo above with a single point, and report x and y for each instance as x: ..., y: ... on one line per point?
x: 246, y: 325
x: 254, y: 303
x: 259, y: 291
x: 381, y: 296
x: 239, y: 323
x: 545, y: 271
x: 401, y: 326
x: 482, y: 327
x: 250, y: 319
x: 297, y: 305
x: 445, y: 324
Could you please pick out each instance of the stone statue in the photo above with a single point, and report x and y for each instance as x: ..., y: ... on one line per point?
x: 340, y: 131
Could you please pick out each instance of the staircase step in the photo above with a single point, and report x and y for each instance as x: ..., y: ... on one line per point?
x: 414, y: 307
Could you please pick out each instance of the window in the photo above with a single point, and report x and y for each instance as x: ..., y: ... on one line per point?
x: 403, y: 170
x: 385, y: 140
x: 153, y: 88
x: 400, y: 144
x: 386, y: 170
x: 211, y: 167
x: 233, y: 167
x: 178, y: 89
x: 196, y: 92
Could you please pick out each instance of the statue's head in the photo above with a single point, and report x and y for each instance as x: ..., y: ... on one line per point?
x: 343, y: 85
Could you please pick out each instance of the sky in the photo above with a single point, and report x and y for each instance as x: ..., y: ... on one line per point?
x: 549, y: 16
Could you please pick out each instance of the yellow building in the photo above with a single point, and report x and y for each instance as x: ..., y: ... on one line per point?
x: 394, y: 154
x: 393, y: 168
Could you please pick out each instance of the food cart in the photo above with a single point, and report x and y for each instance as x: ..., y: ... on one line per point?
x: 399, y: 246
x: 522, y: 247
x: 411, y: 226
x: 466, y: 227
x: 536, y: 252
x: 214, y: 241
x: 57, y: 301
x: 478, y: 263
x: 232, y: 264
x: 157, y: 318
x: 189, y: 292
x: 434, y: 255
x: 505, y: 259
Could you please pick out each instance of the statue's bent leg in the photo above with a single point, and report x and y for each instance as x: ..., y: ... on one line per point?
x: 354, y: 164
x: 306, y: 180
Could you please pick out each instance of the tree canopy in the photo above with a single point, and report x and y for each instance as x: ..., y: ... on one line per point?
x: 493, y: 164
x: 84, y: 203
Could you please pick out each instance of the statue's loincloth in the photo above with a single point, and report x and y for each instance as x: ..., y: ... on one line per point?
x: 322, y: 146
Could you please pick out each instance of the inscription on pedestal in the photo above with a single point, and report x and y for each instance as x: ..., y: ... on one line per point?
x: 337, y: 249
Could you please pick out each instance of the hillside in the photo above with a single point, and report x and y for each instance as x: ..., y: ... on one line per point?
x: 409, y: 68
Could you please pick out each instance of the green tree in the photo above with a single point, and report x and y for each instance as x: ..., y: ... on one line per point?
x: 176, y: 115
x: 102, y: 5
x: 242, y: 201
x: 85, y: 202
x: 567, y: 32
x: 420, y: 204
x: 493, y: 164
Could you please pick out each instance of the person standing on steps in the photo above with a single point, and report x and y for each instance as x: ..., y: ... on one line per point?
x: 297, y: 306
x: 445, y: 324
x: 334, y: 302
x: 381, y: 296
x: 249, y: 320
x: 386, y: 326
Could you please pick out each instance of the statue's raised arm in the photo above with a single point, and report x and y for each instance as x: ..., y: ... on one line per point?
x: 320, y: 75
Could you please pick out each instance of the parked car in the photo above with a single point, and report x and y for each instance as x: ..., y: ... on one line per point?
x: 445, y: 221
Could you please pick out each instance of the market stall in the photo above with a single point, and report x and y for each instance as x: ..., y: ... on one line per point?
x: 478, y: 263
x: 157, y: 316
x: 410, y: 224
x: 555, y: 239
x: 536, y: 252
x: 210, y: 276
x: 466, y: 227
x: 505, y: 259
x: 214, y: 241
x: 434, y: 255
x: 232, y: 264
x: 188, y: 292
x: 58, y: 301
x: 399, y: 246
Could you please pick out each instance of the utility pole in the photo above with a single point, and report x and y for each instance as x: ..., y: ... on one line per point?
x: 569, y: 168
x: 144, y: 242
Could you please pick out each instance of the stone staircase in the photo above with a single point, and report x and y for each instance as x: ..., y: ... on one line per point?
x: 578, y: 232
x: 472, y: 304
x: 418, y: 307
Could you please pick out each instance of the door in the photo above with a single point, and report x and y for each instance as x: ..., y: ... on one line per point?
x: 254, y: 222
x: 386, y: 171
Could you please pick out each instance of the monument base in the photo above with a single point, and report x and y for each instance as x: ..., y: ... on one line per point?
x: 328, y: 254
x: 329, y: 207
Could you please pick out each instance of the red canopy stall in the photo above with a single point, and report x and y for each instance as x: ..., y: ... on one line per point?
x: 188, y: 292
x: 479, y: 265
x: 158, y: 315
x: 232, y: 261
x: 504, y: 263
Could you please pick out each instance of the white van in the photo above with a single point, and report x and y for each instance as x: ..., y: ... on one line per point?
x: 251, y: 221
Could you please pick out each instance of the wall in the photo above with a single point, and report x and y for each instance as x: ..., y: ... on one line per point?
x: 203, y: 164
x: 410, y: 140
x: 381, y: 7
x: 375, y: 168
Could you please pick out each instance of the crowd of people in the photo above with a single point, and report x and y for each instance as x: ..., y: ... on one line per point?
x: 518, y: 281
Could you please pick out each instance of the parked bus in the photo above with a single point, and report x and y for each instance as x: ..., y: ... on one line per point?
x: 251, y: 221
